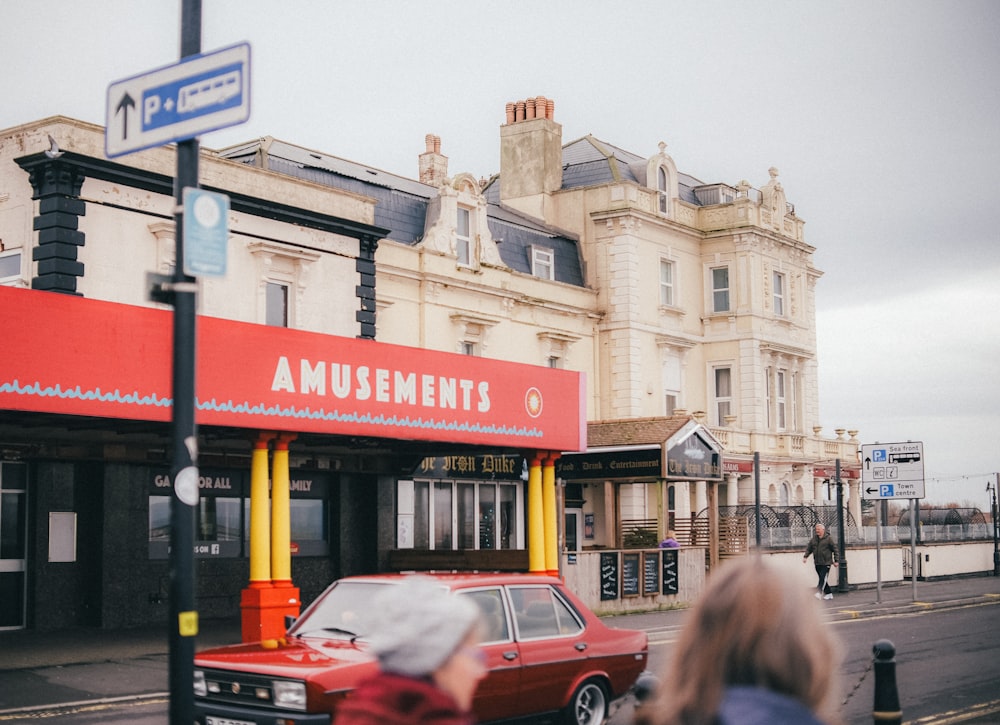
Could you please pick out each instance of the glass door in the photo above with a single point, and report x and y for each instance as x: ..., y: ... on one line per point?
x: 13, y: 538
x: 573, y: 521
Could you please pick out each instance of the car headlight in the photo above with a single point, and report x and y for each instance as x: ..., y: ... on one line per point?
x: 200, y: 689
x: 289, y: 694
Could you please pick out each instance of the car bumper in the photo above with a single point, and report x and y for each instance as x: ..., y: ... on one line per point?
x: 236, y: 714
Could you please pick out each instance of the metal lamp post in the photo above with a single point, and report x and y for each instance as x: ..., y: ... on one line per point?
x: 992, y: 487
x: 842, y: 585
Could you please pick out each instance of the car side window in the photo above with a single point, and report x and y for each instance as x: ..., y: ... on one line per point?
x: 490, y: 603
x: 541, y: 613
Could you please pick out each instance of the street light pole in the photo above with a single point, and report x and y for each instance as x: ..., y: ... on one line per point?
x: 996, y: 532
x: 842, y: 569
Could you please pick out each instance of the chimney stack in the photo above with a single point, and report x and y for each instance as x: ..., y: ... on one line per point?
x: 530, y: 154
x: 433, y: 166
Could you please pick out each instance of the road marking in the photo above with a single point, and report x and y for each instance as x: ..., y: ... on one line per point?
x: 43, y: 712
x: 958, y: 716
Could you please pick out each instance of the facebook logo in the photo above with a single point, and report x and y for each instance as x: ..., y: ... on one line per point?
x: 878, y: 455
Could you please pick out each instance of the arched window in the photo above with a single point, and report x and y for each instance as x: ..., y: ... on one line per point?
x: 662, y: 188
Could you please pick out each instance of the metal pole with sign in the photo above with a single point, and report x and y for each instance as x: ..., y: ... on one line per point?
x: 894, y: 471
x: 201, y: 93
x: 183, y: 615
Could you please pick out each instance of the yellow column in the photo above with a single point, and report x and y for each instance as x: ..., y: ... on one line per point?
x: 260, y: 529
x: 536, y: 519
x: 281, y: 534
x: 551, y: 516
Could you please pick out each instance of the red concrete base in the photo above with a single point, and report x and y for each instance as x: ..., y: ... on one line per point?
x: 264, y: 610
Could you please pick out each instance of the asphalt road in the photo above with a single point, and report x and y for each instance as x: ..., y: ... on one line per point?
x: 948, y: 663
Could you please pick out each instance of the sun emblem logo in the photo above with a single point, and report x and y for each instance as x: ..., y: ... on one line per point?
x: 533, y: 402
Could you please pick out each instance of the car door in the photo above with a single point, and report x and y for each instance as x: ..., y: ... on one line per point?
x: 553, y: 646
x: 497, y: 694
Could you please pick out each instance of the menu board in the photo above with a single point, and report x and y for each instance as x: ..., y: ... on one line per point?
x: 609, y: 575
x: 631, y: 571
x: 651, y: 572
x: 670, y: 571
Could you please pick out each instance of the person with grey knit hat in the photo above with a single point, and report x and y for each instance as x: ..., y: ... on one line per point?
x: 425, y: 640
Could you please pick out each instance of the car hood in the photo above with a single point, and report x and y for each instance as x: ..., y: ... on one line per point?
x: 287, y: 657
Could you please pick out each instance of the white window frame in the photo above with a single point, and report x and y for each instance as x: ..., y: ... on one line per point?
x: 780, y: 400
x: 663, y: 190
x: 717, y: 290
x: 13, y: 279
x: 543, y: 262
x: 463, y: 242
x: 778, y: 292
x: 407, y: 512
x: 668, y: 284
x: 287, y: 286
x: 722, y: 401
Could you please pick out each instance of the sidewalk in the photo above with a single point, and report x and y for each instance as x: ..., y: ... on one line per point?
x: 81, y: 664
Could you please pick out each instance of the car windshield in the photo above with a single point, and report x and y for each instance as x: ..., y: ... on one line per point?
x: 344, y: 609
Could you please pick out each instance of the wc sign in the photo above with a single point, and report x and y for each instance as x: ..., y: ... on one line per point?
x: 201, y: 93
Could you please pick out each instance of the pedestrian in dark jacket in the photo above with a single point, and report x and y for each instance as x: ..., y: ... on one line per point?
x: 824, y: 553
x: 426, y: 641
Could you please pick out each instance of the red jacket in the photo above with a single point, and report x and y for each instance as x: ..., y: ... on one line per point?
x: 388, y: 699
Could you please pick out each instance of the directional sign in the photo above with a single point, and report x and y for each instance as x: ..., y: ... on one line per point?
x: 892, y: 470
x: 201, y: 93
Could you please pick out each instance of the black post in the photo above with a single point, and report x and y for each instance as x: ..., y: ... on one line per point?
x: 886, y: 710
x: 756, y: 493
x: 996, y: 531
x: 183, y: 624
x: 841, y: 548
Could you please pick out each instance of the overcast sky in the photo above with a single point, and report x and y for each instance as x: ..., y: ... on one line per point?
x: 882, y: 118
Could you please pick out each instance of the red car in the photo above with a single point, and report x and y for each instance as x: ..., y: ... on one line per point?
x: 547, y: 654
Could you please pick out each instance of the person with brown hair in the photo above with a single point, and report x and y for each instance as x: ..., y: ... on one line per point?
x: 755, y: 651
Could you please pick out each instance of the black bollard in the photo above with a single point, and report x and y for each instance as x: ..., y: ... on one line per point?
x: 886, y: 710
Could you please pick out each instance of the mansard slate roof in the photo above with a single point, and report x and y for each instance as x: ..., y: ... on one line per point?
x: 588, y: 161
x: 401, y: 205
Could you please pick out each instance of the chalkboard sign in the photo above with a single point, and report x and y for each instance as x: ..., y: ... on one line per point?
x: 630, y: 575
x: 651, y: 573
x: 670, y: 571
x: 609, y: 576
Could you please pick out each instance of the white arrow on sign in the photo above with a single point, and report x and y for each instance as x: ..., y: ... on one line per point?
x: 202, y: 93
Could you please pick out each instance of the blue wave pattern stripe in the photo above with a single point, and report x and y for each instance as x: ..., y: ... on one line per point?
x: 75, y: 393
x: 134, y: 398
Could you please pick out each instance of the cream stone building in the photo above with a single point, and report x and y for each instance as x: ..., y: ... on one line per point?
x: 679, y: 299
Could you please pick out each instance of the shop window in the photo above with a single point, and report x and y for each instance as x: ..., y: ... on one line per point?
x: 460, y: 515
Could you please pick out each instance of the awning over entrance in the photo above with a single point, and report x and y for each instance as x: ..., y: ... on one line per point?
x: 676, y: 448
x: 73, y: 356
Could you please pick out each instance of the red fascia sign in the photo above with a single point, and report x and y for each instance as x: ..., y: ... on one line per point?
x: 74, y: 356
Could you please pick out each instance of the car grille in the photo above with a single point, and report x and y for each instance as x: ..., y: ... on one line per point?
x: 239, y: 688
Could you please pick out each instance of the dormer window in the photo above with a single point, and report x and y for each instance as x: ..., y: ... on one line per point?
x: 542, y: 262
x: 463, y: 240
x: 661, y: 176
x: 661, y: 187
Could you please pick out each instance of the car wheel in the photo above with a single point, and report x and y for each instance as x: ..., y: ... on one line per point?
x: 589, y: 704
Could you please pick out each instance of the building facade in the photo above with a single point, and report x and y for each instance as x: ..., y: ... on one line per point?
x: 294, y: 396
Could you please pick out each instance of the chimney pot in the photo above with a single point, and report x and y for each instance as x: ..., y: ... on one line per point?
x: 550, y: 109
x: 510, y: 113
x: 437, y: 144
x: 530, y: 109
x: 429, y: 140
x: 519, y: 112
